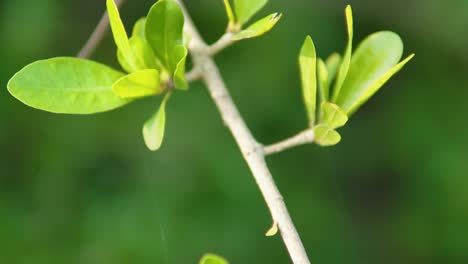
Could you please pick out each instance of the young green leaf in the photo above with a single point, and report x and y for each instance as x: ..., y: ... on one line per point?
x: 258, y: 28
x: 246, y: 9
x: 374, y: 57
x: 138, y: 84
x: 153, y: 130
x: 164, y: 25
x: 139, y: 29
x: 229, y: 12
x: 323, y: 84
x: 326, y: 136
x: 67, y: 85
x: 120, y: 35
x: 144, y: 57
x: 333, y: 63
x: 180, y: 57
x: 213, y: 259
x: 333, y: 116
x: 343, y: 72
x: 307, y: 65
x: 273, y: 230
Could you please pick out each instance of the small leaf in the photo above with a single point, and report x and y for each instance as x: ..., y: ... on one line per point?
x: 180, y: 57
x: 273, y: 230
x: 213, y: 259
x: 138, y: 84
x: 343, y: 72
x: 333, y: 116
x: 258, y: 28
x: 139, y: 29
x: 322, y: 76
x: 164, y: 31
x: 144, y: 57
x: 325, y: 136
x: 229, y: 12
x: 333, y: 63
x: 307, y: 65
x: 153, y: 130
x: 67, y: 85
x: 246, y: 9
x: 374, y: 57
x: 119, y: 33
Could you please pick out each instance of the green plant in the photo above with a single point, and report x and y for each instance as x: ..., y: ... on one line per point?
x: 154, y: 59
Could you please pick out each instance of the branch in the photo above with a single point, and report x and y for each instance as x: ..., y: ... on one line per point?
x: 251, y: 150
x: 97, y: 35
x: 224, y: 42
x: 305, y: 137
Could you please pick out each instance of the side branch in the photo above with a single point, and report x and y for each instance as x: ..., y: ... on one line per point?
x: 305, y: 137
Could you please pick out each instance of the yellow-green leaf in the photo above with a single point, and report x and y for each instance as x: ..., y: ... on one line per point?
x: 343, y: 72
x: 333, y: 63
x: 180, y: 56
x: 153, y: 130
x: 246, y: 9
x: 273, y: 230
x: 144, y: 57
x: 139, y: 29
x: 333, y: 116
x: 138, y: 84
x: 67, y: 85
x: 258, y: 28
x: 322, y: 77
x: 307, y: 65
x: 213, y: 259
x: 326, y: 136
x: 229, y: 12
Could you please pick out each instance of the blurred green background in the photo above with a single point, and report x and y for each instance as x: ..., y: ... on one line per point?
x: 84, y: 189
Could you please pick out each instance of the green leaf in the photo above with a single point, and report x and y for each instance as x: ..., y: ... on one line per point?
x: 326, y: 136
x: 164, y: 31
x: 273, y: 230
x: 258, y: 28
x: 246, y: 9
x: 343, y: 72
x: 333, y: 63
x: 139, y: 29
x: 180, y: 57
x: 120, y: 35
x: 138, y: 84
x: 67, y: 85
x: 213, y: 259
x: 153, y: 130
x: 307, y: 65
x: 372, y: 65
x: 144, y: 57
x: 229, y: 12
x: 322, y: 76
x: 333, y: 116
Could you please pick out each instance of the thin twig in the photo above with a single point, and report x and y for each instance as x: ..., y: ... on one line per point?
x: 97, y: 35
x: 305, y: 137
x: 224, y: 42
x: 251, y: 150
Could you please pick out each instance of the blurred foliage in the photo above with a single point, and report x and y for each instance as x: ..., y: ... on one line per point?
x: 84, y: 189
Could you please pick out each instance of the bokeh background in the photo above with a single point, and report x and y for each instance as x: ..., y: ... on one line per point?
x: 84, y: 189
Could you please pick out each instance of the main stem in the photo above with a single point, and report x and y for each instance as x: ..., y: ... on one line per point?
x: 252, y: 151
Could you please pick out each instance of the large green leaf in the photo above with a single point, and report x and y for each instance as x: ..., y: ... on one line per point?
x: 246, y: 9
x: 144, y: 57
x: 180, y: 57
x: 373, y: 58
x: 213, y: 259
x: 307, y: 65
x: 153, y: 130
x: 343, y: 72
x: 326, y: 136
x: 138, y: 84
x: 67, y: 85
x: 333, y: 116
x: 120, y: 35
x: 164, y: 31
x: 258, y: 28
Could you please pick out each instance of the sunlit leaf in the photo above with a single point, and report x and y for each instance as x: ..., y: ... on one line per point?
x: 213, y: 259
x: 229, y: 12
x: 374, y: 57
x: 307, y: 65
x: 180, y: 57
x: 138, y: 84
x: 258, y: 28
x: 153, y: 130
x: 164, y: 25
x: 333, y: 63
x: 144, y: 57
x: 322, y: 77
x: 343, y: 72
x: 67, y: 85
x: 333, y: 116
x: 326, y: 136
x: 139, y: 29
x: 246, y: 9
